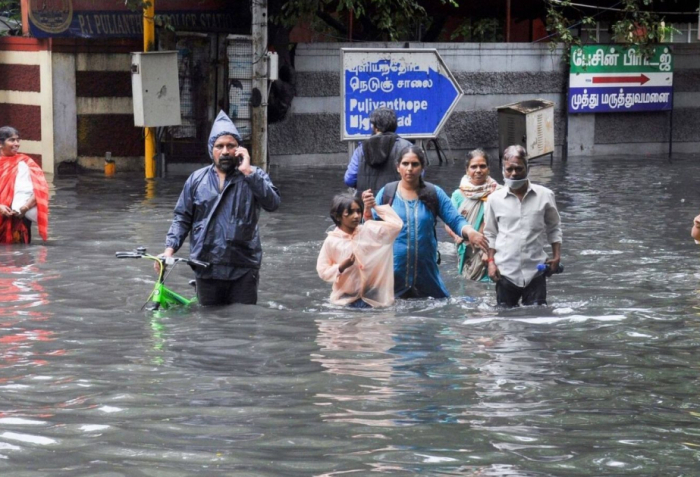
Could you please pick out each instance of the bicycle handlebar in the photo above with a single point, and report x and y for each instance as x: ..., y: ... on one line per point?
x: 141, y: 253
x: 128, y: 255
x: 198, y: 263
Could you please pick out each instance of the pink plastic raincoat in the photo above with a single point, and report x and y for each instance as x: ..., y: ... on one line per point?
x: 371, y: 278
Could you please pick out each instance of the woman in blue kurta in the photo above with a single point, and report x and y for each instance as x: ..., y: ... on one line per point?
x: 417, y: 202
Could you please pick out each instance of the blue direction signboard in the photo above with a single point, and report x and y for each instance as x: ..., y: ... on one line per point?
x: 416, y: 84
x: 614, y: 78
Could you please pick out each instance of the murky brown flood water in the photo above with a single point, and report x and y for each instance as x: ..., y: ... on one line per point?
x: 604, y: 381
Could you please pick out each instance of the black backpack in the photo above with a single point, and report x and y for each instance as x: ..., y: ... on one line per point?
x: 390, y: 193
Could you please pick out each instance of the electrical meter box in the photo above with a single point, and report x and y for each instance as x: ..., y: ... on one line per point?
x: 529, y: 124
x: 156, y: 89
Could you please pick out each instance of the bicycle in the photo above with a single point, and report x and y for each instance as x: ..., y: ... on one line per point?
x: 162, y: 297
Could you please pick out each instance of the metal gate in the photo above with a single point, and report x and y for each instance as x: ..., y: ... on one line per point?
x: 188, y: 142
x: 239, y: 54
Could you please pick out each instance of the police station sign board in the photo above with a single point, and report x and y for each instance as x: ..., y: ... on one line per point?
x: 413, y: 82
x: 113, y: 19
x: 614, y: 78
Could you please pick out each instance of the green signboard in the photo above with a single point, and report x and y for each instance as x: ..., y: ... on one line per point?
x: 619, y: 59
x: 616, y: 78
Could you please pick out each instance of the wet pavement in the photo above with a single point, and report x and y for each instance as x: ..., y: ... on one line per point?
x: 604, y: 381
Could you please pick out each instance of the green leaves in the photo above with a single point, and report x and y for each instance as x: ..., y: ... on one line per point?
x: 390, y: 20
x: 13, y: 17
x: 560, y: 26
x: 634, y: 24
x: 161, y: 21
x: 137, y: 5
x: 479, y: 30
x: 639, y: 27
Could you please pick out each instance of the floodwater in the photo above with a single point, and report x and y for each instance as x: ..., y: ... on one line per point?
x: 604, y: 381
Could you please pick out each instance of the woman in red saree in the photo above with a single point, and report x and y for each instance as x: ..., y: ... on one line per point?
x: 24, y: 193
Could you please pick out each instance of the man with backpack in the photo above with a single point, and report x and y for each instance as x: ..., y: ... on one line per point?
x: 373, y: 164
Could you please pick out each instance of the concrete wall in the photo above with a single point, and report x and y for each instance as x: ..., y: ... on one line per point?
x: 26, y: 96
x: 92, y: 109
x: 64, y: 108
x: 105, y: 117
x: 491, y: 75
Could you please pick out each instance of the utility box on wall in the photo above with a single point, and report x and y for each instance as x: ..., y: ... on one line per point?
x: 529, y: 124
x: 156, y: 89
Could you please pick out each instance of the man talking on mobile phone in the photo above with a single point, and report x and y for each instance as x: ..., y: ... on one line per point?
x: 219, y: 208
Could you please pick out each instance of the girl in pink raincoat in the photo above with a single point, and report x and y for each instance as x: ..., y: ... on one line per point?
x: 358, y: 259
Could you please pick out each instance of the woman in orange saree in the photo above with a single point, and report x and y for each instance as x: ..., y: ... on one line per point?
x: 24, y: 193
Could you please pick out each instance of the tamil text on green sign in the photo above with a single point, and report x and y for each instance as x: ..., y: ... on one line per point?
x: 614, y: 78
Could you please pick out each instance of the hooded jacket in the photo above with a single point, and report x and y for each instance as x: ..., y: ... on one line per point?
x: 378, y: 164
x: 222, y: 224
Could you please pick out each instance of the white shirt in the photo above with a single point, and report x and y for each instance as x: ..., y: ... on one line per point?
x: 519, y: 231
x: 23, y: 190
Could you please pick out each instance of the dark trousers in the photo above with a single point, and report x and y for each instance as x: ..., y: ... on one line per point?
x: 509, y: 295
x: 226, y: 292
x: 360, y: 304
x: 28, y: 224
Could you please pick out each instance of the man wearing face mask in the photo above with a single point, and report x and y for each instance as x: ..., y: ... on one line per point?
x: 521, y: 219
x: 219, y: 208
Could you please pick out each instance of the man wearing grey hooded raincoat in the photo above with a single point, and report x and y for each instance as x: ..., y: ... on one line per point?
x: 219, y: 208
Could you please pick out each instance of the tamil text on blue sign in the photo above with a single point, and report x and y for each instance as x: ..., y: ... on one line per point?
x: 416, y: 84
x: 613, y: 78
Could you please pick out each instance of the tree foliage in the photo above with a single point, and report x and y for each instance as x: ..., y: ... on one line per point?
x: 479, y: 30
x: 635, y: 24
x: 10, y: 17
x: 387, y: 20
x: 161, y: 21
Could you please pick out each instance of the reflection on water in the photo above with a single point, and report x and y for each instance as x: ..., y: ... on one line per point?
x: 28, y: 343
x: 20, y: 281
x: 22, y: 301
x: 602, y: 382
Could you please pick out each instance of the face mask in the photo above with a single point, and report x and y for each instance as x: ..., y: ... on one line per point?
x: 515, y: 184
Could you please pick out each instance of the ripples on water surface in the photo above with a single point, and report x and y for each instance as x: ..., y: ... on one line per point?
x: 602, y: 382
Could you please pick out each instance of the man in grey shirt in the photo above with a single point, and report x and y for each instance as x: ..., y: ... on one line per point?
x: 521, y: 219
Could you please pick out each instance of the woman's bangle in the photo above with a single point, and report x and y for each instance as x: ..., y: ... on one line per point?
x: 490, y: 260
